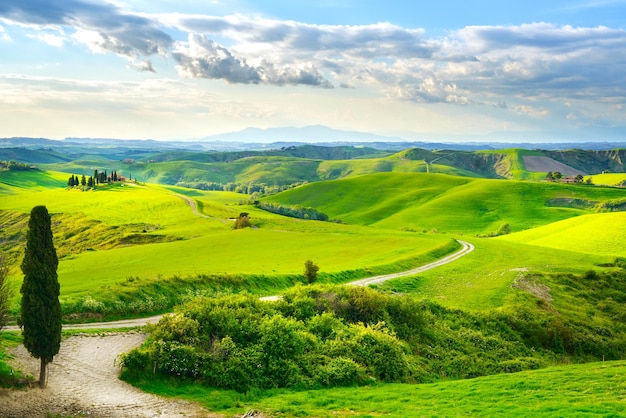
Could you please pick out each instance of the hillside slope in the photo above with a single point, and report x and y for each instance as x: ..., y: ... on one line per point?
x: 429, y: 202
x: 599, y: 233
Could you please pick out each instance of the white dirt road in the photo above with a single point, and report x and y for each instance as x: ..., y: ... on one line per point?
x: 466, y: 249
x: 83, y: 381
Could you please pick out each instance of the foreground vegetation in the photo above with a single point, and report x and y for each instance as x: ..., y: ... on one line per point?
x: 341, y: 336
x: 594, y: 389
x: 320, y: 336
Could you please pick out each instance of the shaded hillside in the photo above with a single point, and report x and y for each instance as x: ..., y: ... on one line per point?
x: 304, y: 151
x: 592, y: 161
x: 23, y: 155
x: 490, y: 164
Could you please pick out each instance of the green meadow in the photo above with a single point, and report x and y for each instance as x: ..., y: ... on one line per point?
x: 590, y: 390
x: 123, y: 237
x: 599, y: 234
x: 443, y: 203
x: 543, y: 287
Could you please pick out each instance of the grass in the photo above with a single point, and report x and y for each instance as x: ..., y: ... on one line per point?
x: 7, y: 373
x: 597, y: 234
x: 608, y: 179
x: 434, y: 202
x: 482, y: 279
x: 595, y: 389
x: 120, y: 238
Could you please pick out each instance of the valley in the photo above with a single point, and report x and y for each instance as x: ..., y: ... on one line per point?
x: 542, y: 288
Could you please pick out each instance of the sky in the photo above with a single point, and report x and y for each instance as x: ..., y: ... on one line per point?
x: 186, y: 69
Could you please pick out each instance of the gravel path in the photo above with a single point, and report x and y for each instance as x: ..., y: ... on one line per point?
x: 83, y: 381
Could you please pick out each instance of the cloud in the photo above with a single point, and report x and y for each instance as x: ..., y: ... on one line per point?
x: 204, y: 58
x: 50, y: 39
x: 3, y: 35
x: 112, y: 29
x: 301, y: 39
x: 506, y: 67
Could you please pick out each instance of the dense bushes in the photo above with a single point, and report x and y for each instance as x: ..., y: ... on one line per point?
x: 318, y: 336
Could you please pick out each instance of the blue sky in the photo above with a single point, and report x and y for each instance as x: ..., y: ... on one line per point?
x: 447, y: 70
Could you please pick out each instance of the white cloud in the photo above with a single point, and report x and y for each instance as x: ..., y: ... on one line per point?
x: 50, y: 39
x: 3, y: 35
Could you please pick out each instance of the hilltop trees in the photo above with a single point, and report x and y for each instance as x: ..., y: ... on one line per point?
x: 91, y: 182
x: 40, y: 307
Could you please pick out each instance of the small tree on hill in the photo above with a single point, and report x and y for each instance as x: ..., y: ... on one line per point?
x: 6, y: 292
x: 243, y: 221
x: 310, y: 271
x: 40, y: 316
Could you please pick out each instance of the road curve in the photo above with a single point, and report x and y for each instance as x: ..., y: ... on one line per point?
x: 130, y: 323
x: 466, y: 249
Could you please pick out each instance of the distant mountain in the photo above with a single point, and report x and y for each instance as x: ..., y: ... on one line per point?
x: 309, y: 134
x: 256, y: 139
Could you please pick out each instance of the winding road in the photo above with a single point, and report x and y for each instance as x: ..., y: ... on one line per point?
x: 131, y: 323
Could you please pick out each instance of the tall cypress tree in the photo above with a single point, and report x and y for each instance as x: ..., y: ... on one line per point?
x: 41, y: 310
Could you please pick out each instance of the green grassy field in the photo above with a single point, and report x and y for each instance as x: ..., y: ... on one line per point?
x: 595, y: 389
x: 456, y: 205
x: 125, y: 240
x: 596, y: 234
x: 608, y: 179
x: 482, y: 279
x: 125, y: 236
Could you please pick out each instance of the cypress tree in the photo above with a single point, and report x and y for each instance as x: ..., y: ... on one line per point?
x: 40, y: 317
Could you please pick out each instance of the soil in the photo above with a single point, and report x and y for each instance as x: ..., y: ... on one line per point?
x: 83, y: 381
x: 545, y: 164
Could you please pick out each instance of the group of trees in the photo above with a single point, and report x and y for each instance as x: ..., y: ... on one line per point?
x: 557, y: 176
x: 243, y: 221
x: 92, y: 181
x: 15, y: 166
x: 257, y: 190
x: 293, y: 212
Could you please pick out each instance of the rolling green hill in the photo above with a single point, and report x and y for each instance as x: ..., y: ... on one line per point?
x: 297, y: 164
x: 125, y: 238
x: 427, y: 202
x: 600, y: 234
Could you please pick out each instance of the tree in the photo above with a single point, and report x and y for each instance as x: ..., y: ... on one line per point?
x: 310, y: 271
x: 40, y: 317
x: 83, y: 181
x: 550, y: 176
x: 6, y: 292
x: 243, y: 221
x: 557, y: 175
